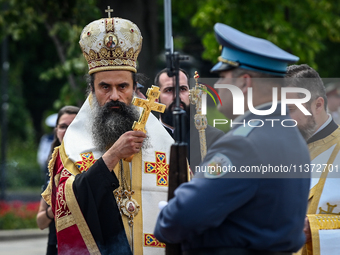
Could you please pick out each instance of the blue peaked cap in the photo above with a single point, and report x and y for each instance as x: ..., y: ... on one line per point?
x: 249, y: 52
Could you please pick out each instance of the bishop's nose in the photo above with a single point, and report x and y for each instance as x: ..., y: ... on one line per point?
x: 114, y: 95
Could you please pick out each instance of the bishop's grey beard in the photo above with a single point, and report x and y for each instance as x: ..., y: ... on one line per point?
x: 110, y: 123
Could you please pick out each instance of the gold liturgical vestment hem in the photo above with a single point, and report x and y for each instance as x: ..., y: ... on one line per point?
x: 79, y: 218
x: 317, y: 220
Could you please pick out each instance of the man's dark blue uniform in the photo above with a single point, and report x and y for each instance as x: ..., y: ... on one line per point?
x: 221, y: 212
x: 258, y: 213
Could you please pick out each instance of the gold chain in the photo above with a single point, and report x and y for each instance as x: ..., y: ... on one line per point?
x: 127, y: 205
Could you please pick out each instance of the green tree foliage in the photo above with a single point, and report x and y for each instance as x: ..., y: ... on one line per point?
x: 47, y: 66
x: 44, y: 53
x: 299, y: 27
x: 46, y: 72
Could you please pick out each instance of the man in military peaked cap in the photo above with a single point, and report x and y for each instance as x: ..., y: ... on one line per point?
x: 333, y: 98
x: 104, y: 204
x: 241, y: 205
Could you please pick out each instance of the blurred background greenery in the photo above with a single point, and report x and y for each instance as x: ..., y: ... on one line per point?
x: 46, y: 66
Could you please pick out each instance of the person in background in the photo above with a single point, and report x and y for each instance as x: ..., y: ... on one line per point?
x: 167, y: 96
x: 323, y: 138
x: 333, y: 98
x: 138, y: 92
x: 45, y: 143
x: 45, y: 217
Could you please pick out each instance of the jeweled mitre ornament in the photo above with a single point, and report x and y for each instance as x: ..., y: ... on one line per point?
x: 111, y: 44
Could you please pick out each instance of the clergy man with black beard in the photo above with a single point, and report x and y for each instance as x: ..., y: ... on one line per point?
x: 323, y: 138
x: 167, y: 97
x: 102, y: 202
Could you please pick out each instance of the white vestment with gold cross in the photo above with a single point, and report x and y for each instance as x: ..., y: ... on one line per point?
x: 324, y: 198
x: 147, y: 175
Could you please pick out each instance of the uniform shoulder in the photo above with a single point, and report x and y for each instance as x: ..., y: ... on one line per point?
x: 215, y: 131
x: 213, y: 134
x: 233, y: 144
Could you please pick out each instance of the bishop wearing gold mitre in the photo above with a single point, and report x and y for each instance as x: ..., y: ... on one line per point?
x: 104, y: 202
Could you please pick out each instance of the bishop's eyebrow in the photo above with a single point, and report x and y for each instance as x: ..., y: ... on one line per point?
x: 103, y: 83
x: 124, y: 84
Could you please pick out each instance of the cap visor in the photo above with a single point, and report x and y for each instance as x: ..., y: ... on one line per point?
x: 220, y: 66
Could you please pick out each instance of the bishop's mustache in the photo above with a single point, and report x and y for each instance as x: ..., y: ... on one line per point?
x: 114, y: 106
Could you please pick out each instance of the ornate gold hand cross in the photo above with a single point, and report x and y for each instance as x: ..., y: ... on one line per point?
x: 149, y: 105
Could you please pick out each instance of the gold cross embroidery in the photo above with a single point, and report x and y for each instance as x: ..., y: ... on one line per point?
x: 160, y: 168
x: 109, y: 11
x: 149, y: 105
x: 150, y: 240
x: 86, y: 162
x: 329, y: 209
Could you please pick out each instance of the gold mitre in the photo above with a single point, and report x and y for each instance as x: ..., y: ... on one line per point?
x: 111, y: 44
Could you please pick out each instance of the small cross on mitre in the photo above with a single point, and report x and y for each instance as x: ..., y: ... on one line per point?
x: 109, y: 11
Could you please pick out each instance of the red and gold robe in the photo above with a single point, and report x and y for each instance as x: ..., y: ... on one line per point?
x: 81, y: 192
